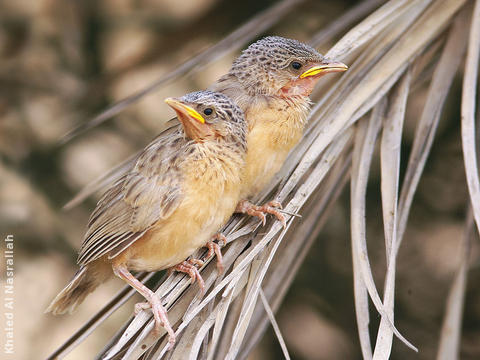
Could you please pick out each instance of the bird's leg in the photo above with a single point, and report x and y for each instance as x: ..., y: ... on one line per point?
x: 246, y: 207
x: 189, y: 268
x: 216, y: 248
x: 153, y: 301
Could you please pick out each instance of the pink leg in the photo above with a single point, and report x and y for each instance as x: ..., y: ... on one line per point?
x: 153, y: 301
x: 246, y: 207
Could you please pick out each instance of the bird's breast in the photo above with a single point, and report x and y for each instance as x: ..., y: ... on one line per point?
x: 211, y: 192
x: 275, y: 128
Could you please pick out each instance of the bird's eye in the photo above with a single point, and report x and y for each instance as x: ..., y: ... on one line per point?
x: 208, y: 111
x: 296, y: 65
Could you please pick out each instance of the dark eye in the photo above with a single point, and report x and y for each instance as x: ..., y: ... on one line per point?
x: 296, y: 65
x: 208, y: 111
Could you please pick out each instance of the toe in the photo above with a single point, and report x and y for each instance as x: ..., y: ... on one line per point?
x: 139, y: 307
x: 280, y: 218
x: 198, y: 262
x: 275, y: 204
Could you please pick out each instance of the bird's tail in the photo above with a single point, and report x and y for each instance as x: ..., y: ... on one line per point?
x: 86, y: 280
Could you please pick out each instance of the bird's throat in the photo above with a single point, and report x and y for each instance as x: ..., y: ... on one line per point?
x: 299, y: 87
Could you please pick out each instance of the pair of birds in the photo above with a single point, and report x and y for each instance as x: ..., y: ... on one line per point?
x: 187, y: 183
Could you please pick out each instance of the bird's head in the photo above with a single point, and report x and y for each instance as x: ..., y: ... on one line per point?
x: 207, y: 115
x: 276, y: 66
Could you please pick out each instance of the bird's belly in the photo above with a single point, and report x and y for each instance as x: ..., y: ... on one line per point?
x: 189, y: 228
x: 161, y: 252
x: 263, y: 169
x: 265, y: 157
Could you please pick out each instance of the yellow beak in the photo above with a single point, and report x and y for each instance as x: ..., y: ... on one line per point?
x: 324, y: 69
x: 185, y: 109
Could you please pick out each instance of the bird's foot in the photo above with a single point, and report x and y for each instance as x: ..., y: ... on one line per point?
x: 214, y: 248
x: 246, y: 207
x: 189, y: 268
x: 160, y: 316
x: 161, y: 320
x: 139, y: 307
x: 153, y: 302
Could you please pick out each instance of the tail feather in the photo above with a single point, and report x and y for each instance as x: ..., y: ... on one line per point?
x: 85, y: 281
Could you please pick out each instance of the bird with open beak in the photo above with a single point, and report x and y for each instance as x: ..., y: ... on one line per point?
x: 271, y: 82
x: 182, y: 188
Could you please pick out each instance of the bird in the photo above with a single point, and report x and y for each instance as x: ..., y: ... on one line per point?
x: 271, y: 82
x: 181, y: 189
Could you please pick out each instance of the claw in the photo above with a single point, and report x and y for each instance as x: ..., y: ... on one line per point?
x: 246, y: 207
x: 189, y: 268
x: 161, y: 320
x: 197, y: 262
x: 274, y: 204
x: 214, y: 248
x: 139, y: 307
x: 222, y: 239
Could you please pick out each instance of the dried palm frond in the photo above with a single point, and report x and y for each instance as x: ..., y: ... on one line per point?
x: 451, y: 329
x: 401, y: 44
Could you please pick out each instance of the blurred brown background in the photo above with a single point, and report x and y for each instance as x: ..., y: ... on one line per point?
x: 61, y: 62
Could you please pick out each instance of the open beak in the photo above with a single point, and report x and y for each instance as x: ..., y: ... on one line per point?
x: 324, y: 69
x: 193, y: 123
x: 186, y: 110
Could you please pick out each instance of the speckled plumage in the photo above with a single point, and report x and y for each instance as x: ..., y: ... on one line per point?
x: 276, y: 120
x: 263, y: 68
x: 158, y: 183
x: 180, y: 191
x: 171, y: 202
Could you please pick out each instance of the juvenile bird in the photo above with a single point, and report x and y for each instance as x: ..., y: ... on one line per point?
x: 271, y: 82
x: 182, y: 188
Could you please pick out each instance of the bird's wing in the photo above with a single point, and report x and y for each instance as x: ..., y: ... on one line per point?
x: 118, y: 171
x: 151, y: 191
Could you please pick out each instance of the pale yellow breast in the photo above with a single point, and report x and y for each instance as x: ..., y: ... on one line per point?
x: 274, y: 130
x: 209, y: 201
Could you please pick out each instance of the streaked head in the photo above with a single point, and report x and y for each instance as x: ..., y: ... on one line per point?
x: 207, y: 115
x: 277, y: 66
